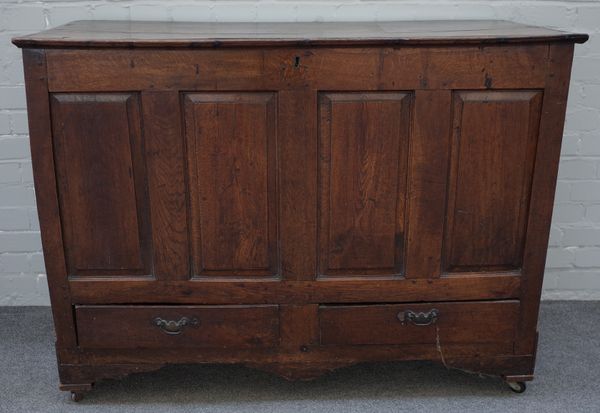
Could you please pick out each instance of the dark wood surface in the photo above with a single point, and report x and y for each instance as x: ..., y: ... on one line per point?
x: 231, y: 146
x: 216, y: 327
x: 465, y: 322
x: 295, y: 200
x: 46, y: 193
x: 283, y: 69
x: 181, y: 34
x: 363, y: 149
x: 543, y: 189
x: 428, y: 181
x: 166, y: 182
x: 490, y: 172
x: 98, y: 140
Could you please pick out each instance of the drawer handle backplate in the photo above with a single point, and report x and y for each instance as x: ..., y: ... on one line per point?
x: 173, y: 327
x: 419, y: 318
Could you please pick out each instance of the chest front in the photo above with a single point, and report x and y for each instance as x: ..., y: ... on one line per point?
x: 299, y: 207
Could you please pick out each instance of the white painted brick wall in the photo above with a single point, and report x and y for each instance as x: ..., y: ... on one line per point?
x: 573, y: 265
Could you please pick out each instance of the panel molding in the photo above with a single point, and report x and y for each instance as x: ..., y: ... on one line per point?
x: 110, y: 233
x: 355, y: 237
x: 233, y: 232
x: 484, y: 230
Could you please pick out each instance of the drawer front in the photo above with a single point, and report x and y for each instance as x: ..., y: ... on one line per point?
x: 177, y: 326
x: 423, y: 323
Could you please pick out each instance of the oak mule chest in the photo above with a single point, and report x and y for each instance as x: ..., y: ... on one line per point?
x: 295, y: 197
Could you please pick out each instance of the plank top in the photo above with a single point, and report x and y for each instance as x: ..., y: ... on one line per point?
x: 127, y: 34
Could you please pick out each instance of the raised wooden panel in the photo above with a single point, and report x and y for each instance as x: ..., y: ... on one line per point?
x: 231, y: 146
x: 101, y: 183
x: 363, y: 140
x: 493, y: 150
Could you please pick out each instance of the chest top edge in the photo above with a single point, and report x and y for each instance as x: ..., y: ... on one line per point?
x: 147, y: 34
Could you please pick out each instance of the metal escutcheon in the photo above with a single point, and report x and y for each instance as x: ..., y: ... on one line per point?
x: 419, y: 318
x: 173, y: 327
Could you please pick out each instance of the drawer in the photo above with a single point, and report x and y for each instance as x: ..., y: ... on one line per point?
x: 423, y: 323
x: 177, y: 326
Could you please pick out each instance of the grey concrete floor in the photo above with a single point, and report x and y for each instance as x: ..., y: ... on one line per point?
x: 567, y: 378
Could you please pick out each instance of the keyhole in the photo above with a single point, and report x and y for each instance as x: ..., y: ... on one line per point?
x: 297, y: 61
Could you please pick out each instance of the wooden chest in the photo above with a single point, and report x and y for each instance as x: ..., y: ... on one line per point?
x: 295, y: 197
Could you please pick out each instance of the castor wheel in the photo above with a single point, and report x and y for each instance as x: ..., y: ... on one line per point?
x: 517, y: 386
x: 76, y: 396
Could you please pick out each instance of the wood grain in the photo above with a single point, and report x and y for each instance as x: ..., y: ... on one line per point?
x: 181, y: 34
x: 101, y: 183
x: 294, y: 189
x: 495, y: 134
x: 324, y: 355
x: 325, y: 69
x: 363, y: 141
x: 428, y: 171
x: 42, y: 156
x: 218, y: 327
x: 165, y: 158
x: 231, y: 144
x: 473, y: 286
x: 299, y: 327
x: 543, y: 190
x: 465, y: 322
x: 298, y: 183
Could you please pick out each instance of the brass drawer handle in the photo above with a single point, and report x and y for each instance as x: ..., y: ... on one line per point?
x: 419, y: 318
x: 173, y: 327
